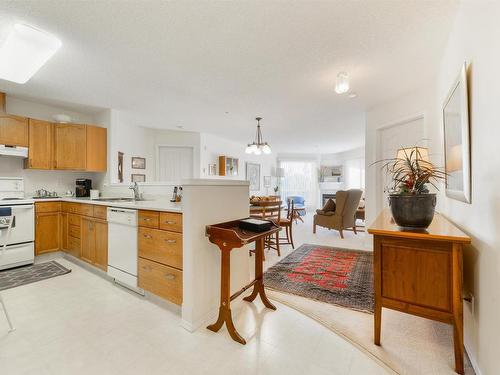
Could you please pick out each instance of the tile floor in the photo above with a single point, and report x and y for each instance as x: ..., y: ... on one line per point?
x: 80, y: 323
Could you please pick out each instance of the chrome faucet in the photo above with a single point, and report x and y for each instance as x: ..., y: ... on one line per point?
x: 135, y: 188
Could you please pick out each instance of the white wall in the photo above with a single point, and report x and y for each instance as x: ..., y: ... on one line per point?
x: 418, y: 103
x: 139, y: 141
x: 472, y: 39
x: 344, y: 159
x: 59, y: 181
x: 213, y: 146
x: 201, y: 259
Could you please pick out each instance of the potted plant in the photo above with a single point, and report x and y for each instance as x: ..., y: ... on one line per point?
x: 411, y: 203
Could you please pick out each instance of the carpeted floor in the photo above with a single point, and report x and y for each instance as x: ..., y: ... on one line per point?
x: 29, y: 274
x: 339, y: 276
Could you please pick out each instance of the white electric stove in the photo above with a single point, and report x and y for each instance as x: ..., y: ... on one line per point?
x: 17, y: 224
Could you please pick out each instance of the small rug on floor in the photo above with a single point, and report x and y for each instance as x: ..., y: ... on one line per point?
x: 338, y: 276
x: 30, y: 274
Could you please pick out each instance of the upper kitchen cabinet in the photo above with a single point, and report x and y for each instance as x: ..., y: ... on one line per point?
x: 97, y: 143
x: 40, y: 154
x: 13, y: 130
x: 70, y: 146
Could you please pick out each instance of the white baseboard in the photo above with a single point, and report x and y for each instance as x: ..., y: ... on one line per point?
x: 473, y: 361
x: 203, y: 322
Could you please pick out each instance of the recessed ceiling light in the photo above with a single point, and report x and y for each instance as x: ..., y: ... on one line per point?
x: 342, y: 85
x: 352, y: 95
x: 25, y: 51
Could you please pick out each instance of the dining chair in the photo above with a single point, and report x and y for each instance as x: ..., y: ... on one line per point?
x: 287, y: 223
x: 269, y: 210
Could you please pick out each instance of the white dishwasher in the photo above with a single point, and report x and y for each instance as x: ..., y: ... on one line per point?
x: 122, y: 247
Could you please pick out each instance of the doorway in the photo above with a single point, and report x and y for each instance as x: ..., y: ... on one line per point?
x: 174, y: 163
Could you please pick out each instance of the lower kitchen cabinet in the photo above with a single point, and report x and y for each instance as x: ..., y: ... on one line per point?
x: 94, y: 242
x: 47, y: 232
x: 162, y: 280
x: 47, y: 227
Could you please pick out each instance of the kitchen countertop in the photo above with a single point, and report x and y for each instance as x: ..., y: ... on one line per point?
x: 148, y: 204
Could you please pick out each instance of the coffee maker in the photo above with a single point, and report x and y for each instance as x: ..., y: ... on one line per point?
x: 83, y: 186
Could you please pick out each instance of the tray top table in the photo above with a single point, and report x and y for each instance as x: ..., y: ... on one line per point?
x: 228, y: 236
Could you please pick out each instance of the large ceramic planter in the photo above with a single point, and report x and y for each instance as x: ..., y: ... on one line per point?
x: 413, y: 211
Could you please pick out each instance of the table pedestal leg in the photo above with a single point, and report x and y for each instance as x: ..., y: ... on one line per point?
x: 258, y: 288
x: 225, y: 300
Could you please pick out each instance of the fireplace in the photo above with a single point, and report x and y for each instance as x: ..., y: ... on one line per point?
x: 326, y: 196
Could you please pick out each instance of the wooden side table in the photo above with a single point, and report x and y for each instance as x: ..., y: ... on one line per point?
x: 228, y: 236
x: 419, y: 272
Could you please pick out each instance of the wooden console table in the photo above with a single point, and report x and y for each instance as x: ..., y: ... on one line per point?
x: 228, y: 236
x: 419, y: 272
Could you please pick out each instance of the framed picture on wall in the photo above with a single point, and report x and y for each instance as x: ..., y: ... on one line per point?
x: 138, y: 177
x: 138, y: 163
x: 457, y: 140
x: 253, y: 175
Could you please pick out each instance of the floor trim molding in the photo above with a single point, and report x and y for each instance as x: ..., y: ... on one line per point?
x: 473, y: 361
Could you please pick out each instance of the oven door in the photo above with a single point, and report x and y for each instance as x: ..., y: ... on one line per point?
x: 22, y: 227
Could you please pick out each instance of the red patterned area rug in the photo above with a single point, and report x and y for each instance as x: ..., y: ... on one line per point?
x: 342, y: 277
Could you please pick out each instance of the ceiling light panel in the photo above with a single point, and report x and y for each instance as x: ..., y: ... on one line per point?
x: 25, y: 51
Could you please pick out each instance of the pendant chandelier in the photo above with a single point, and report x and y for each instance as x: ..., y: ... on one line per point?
x: 258, y: 146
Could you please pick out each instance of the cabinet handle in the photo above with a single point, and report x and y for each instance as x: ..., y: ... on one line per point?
x: 170, y: 241
x: 169, y: 276
x: 146, y: 218
x: 147, y: 236
x: 170, y: 222
x: 31, y: 163
x: 55, y: 164
x: 147, y: 268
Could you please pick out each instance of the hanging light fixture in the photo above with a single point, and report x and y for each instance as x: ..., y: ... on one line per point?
x: 342, y: 85
x: 258, y: 146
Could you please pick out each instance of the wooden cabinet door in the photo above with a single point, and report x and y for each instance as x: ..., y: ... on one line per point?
x: 70, y: 146
x: 13, y: 130
x: 87, y: 251
x: 97, y: 145
x: 46, y: 232
x: 40, y: 144
x: 64, y: 231
x: 101, y: 244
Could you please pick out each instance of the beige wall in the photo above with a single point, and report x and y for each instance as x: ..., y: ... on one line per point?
x: 474, y: 38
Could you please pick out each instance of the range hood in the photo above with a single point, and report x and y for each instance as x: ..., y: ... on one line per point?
x: 18, y: 151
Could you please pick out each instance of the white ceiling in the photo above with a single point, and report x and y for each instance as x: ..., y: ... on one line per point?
x: 169, y: 64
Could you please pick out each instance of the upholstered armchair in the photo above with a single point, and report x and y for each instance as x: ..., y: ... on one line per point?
x: 343, y: 216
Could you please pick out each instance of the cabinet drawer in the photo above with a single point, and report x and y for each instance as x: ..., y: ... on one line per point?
x: 164, y: 281
x: 161, y: 246
x: 86, y: 210
x: 48, y: 206
x: 171, y: 221
x: 101, y: 212
x: 149, y: 219
x: 72, y: 208
x: 74, y: 231
x: 74, y: 245
x: 74, y: 220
